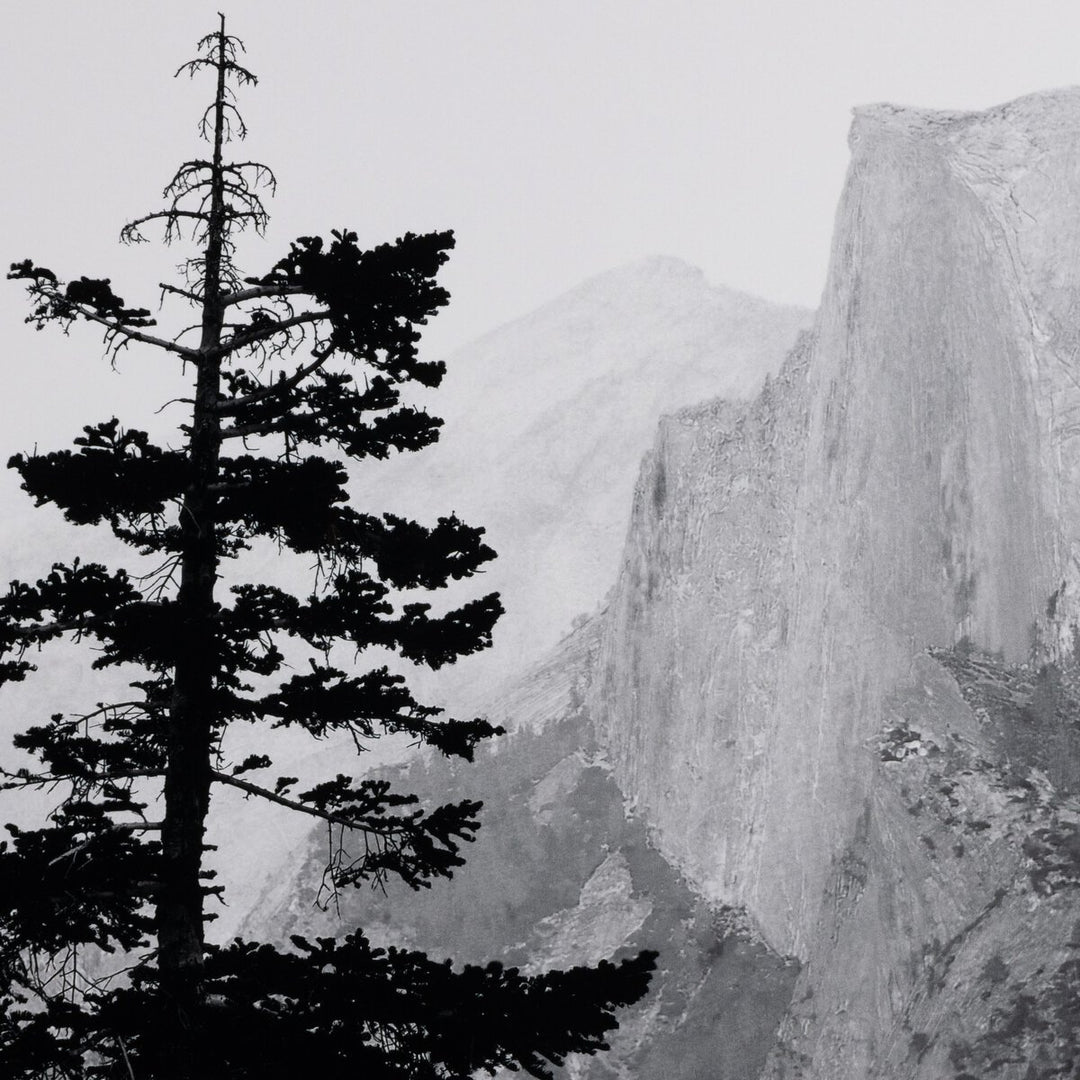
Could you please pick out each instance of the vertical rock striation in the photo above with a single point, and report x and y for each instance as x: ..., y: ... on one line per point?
x: 909, y: 481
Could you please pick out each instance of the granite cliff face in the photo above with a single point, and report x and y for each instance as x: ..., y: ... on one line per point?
x: 908, y: 483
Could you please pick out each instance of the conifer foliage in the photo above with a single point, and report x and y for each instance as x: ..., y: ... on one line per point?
x: 307, y: 364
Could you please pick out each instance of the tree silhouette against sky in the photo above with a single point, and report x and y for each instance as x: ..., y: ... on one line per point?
x: 311, y: 357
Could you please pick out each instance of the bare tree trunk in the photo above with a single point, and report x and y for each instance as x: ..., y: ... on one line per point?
x: 180, y: 927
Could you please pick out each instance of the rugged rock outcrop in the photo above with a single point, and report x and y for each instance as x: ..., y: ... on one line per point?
x: 908, y: 482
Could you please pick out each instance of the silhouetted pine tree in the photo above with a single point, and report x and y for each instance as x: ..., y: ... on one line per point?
x: 102, y: 874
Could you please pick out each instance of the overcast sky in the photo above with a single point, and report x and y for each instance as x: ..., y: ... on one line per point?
x: 559, y: 138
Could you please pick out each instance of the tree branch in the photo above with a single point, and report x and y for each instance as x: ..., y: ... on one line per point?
x: 244, y: 431
x: 81, y: 625
x: 120, y: 826
x: 292, y: 804
x: 259, y: 292
x: 279, y: 388
x: 193, y: 297
x: 130, y: 232
x: 23, y: 779
x: 264, y: 334
x: 115, y: 327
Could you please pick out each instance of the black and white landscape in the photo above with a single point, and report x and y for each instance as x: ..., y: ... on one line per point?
x: 790, y: 668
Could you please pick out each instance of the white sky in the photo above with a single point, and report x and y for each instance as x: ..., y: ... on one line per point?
x: 559, y: 138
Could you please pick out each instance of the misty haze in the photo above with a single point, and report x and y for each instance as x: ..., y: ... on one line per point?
x: 787, y: 688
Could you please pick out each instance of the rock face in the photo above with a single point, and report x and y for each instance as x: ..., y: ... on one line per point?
x: 908, y: 482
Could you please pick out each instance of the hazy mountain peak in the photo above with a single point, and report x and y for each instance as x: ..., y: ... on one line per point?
x: 652, y: 268
x: 659, y: 292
